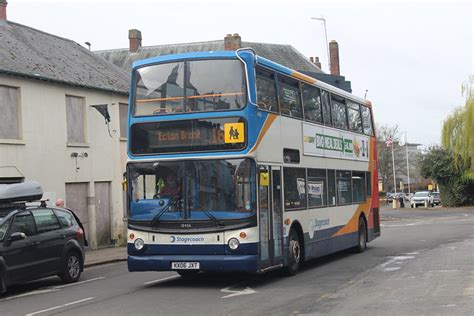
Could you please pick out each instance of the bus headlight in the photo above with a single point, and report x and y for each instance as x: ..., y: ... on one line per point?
x: 233, y: 243
x: 139, y: 244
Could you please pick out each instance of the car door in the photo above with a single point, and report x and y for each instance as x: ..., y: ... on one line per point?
x: 20, y: 256
x: 52, y: 241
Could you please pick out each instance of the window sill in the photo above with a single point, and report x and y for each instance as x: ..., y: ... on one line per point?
x: 12, y: 142
x: 82, y: 145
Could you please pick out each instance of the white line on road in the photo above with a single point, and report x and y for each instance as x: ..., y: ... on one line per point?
x: 30, y: 293
x: 245, y: 291
x: 77, y: 283
x: 60, y: 306
x: 163, y: 279
x: 391, y: 269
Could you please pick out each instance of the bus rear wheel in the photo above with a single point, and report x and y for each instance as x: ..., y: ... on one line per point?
x: 294, y: 253
x: 362, y: 236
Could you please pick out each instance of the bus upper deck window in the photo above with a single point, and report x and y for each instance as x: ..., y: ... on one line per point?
x: 266, y: 91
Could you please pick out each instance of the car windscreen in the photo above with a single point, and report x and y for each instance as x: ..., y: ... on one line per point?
x: 189, y: 86
x: 421, y: 194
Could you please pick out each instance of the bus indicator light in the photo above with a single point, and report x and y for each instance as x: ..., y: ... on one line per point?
x: 131, y: 236
x: 243, y: 235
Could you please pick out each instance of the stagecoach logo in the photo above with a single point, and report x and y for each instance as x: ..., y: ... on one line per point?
x: 317, y: 224
x: 185, y: 240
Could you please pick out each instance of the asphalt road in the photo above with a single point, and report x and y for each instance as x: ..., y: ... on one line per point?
x: 422, y: 264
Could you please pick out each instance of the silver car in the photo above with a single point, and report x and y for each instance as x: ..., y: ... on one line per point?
x: 422, y: 198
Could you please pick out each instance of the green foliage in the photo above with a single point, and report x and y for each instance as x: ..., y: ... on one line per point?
x: 440, y: 165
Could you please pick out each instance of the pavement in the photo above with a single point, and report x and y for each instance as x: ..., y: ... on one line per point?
x: 105, y: 255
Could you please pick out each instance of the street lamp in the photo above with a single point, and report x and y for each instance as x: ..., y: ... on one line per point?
x: 326, y: 34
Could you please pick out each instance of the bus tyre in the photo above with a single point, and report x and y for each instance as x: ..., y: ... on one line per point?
x: 362, y: 237
x: 71, y: 267
x: 294, y: 253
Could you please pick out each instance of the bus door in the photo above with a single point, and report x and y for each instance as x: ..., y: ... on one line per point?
x: 270, y: 216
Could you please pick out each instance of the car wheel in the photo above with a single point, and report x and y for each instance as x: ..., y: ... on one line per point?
x: 3, y: 282
x: 294, y: 254
x: 362, y: 237
x: 72, y: 267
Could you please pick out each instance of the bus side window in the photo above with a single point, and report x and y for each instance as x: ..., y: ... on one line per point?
x: 266, y: 90
x: 326, y: 107
x: 317, y: 187
x: 354, y: 117
x: 331, y: 188
x: 290, y: 97
x: 312, y: 104
x: 359, y: 193
x: 367, y: 120
x: 339, y: 114
x: 294, y: 188
x: 343, y: 185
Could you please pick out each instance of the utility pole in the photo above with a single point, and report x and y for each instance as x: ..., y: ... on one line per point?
x: 327, y: 43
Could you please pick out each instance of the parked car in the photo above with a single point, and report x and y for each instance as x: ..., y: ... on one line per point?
x: 38, y: 241
x: 422, y: 198
x: 436, y: 198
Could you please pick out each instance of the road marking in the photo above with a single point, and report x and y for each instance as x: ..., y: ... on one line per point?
x: 29, y: 293
x: 394, y: 259
x: 163, y: 279
x: 245, y: 291
x: 77, y: 283
x: 391, y: 269
x: 60, y: 306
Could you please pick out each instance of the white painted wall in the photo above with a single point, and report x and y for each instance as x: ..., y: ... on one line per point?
x: 44, y: 155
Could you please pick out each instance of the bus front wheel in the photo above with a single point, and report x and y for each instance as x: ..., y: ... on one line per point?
x: 294, y: 253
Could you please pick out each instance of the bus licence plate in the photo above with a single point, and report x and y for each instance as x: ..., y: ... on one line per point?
x: 184, y: 265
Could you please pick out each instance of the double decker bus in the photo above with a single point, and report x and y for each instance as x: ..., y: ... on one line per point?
x: 237, y: 163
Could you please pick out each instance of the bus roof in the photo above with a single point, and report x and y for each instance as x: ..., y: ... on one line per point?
x: 259, y: 60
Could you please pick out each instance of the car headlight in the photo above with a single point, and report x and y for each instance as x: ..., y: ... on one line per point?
x: 233, y: 243
x: 139, y: 244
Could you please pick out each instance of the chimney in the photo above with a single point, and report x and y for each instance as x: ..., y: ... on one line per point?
x: 3, y: 10
x: 311, y: 59
x: 317, y: 62
x: 135, y: 39
x: 334, y: 58
x: 232, y: 42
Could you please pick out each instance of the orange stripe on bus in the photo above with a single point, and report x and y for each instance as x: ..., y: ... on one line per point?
x: 266, y: 126
x: 304, y: 77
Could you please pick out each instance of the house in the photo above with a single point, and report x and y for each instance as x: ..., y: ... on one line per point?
x: 63, y: 113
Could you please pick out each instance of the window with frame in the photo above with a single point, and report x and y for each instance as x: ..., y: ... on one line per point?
x: 354, y: 117
x: 45, y: 221
x: 295, y: 188
x: 291, y: 155
x: 326, y: 107
x: 23, y: 223
x: 343, y: 185
x: 331, y: 187
x: 123, y: 116
x: 10, y: 110
x: 317, y: 187
x: 359, y: 192
x: 266, y: 90
x: 290, y: 97
x: 367, y: 120
x: 312, y: 104
x: 339, y: 115
x: 75, y: 115
x: 65, y: 218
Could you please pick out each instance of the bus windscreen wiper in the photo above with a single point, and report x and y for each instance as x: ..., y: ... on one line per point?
x: 217, y: 221
x: 173, y: 201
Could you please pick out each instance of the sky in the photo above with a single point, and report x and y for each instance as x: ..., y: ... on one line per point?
x: 411, y: 57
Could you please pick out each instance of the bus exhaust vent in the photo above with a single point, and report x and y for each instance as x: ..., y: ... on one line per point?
x: 376, y: 218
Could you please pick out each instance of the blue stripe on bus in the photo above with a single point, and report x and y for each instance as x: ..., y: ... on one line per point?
x: 183, y: 249
x: 217, y: 263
